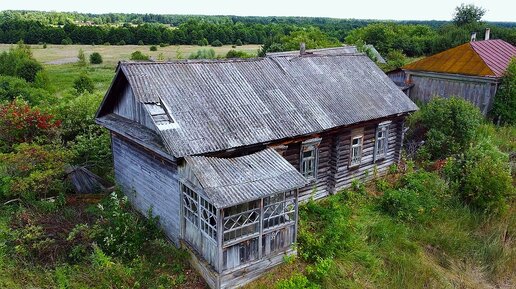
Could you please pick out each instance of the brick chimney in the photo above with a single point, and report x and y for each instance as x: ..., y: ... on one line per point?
x: 302, y: 48
x: 473, y: 36
x: 488, y: 34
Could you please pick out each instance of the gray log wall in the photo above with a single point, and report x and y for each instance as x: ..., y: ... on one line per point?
x: 149, y: 182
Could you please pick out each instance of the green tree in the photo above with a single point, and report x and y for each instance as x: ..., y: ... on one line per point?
x: 216, y: 43
x: 81, y: 57
x: 203, y: 54
x: 95, y: 58
x: 83, y: 83
x: 139, y: 56
x: 468, y: 14
x: 504, y: 106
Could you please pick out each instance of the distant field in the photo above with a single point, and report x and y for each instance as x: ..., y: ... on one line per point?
x: 60, y: 54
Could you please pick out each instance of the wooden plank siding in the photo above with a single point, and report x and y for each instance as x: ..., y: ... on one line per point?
x: 478, y: 91
x: 128, y: 107
x: 149, y: 182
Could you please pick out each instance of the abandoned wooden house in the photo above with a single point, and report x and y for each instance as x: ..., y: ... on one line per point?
x: 472, y: 71
x: 224, y: 150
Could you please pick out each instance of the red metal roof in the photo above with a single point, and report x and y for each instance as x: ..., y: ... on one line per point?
x: 496, y: 54
x: 478, y: 58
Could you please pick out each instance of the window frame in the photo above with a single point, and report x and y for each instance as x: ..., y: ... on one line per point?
x: 382, y: 127
x: 190, y: 197
x: 352, y: 163
x: 313, y: 146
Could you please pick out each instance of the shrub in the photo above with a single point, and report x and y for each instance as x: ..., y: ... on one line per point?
x: 237, y: 54
x: 139, y: 56
x: 447, y: 126
x: 96, y: 58
x: 83, y: 83
x: 163, y: 44
x: 44, y: 46
x: 297, y: 281
x: 121, y: 42
x: 21, y: 123
x: 121, y: 233
x: 14, y: 87
x: 481, y: 177
x: 238, y: 42
x: 153, y: 48
x: 203, y: 54
x: 504, y: 105
x: 77, y: 114
x: 323, y: 230
x: 417, y: 196
x: 216, y: 43
x: 33, y: 171
x: 81, y: 57
x: 67, y: 41
x: 140, y: 42
x: 28, y: 69
x: 93, y: 149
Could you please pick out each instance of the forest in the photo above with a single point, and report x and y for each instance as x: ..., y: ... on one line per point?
x: 413, y: 38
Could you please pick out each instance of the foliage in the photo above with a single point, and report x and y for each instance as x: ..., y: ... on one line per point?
x: 504, y: 106
x: 481, y: 177
x: 139, y: 56
x: 468, y: 14
x: 447, y: 126
x: 93, y: 149
x: 203, y: 54
x: 121, y: 233
x: 13, y: 87
x: 415, y: 198
x: 18, y: 61
x: 83, y: 84
x: 33, y: 171
x: 395, y: 59
x: 20, y: 123
x: 81, y: 57
x: 297, y: 281
x: 323, y: 229
x: 312, y: 37
x: 77, y: 115
x: 238, y: 54
x: 95, y: 58
x: 216, y: 43
x: 153, y: 48
x: 238, y: 42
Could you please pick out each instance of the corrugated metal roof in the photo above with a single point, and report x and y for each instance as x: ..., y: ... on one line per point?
x: 478, y: 58
x: 229, y: 182
x: 349, y: 49
x: 224, y: 104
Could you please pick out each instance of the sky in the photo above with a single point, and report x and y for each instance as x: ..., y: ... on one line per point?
x: 497, y: 10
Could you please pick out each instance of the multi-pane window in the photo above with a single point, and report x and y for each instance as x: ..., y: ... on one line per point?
x: 208, y: 219
x: 277, y: 210
x: 190, y: 205
x: 382, y: 141
x: 356, y: 150
x: 241, y: 221
x: 309, y: 159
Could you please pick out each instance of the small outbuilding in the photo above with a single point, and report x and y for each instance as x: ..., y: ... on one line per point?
x: 472, y: 71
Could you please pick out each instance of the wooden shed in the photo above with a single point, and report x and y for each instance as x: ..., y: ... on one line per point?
x: 224, y: 150
x: 472, y: 71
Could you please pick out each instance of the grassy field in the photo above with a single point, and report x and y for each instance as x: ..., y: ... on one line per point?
x: 111, y: 54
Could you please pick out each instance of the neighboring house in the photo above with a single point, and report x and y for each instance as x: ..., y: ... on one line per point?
x: 224, y: 150
x: 472, y: 71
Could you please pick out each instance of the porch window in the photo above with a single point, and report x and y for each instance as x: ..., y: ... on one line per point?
x: 190, y: 205
x: 241, y: 221
x: 208, y: 219
x: 309, y: 158
x: 277, y: 210
x: 382, y: 141
x: 356, y: 150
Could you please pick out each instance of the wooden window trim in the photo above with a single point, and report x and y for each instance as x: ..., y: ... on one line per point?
x: 351, y: 164
x: 313, y: 144
x: 383, y: 126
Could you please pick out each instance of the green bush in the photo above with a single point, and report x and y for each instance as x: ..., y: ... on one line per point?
x: 216, y: 43
x: 81, y: 57
x: 237, y: 54
x: 28, y: 69
x: 93, y: 149
x: 238, y: 42
x: 323, y: 230
x: 203, y: 42
x: 139, y: 56
x: 416, y: 197
x: 481, y: 177
x: 140, y: 42
x: 14, y: 87
x: 96, y: 58
x: 153, y: 48
x: 163, y: 44
x: 203, y: 54
x: 121, y: 233
x: 121, y: 42
x: 33, y: 171
x: 67, y: 41
x: 83, y: 83
x: 77, y: 115
x: 18, y: 61
x: 447, y: 126
x: 297, y: 281
x: 504, y: 105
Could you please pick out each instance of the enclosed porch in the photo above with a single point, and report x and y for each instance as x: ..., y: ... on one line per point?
x: 239, y: 215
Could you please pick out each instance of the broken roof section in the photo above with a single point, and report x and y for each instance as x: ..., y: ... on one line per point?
x: 223, y: 104
x: 228, y: 182
x: 478, y: 58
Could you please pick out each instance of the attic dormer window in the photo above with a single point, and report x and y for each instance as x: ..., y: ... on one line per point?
x: 160, y: 115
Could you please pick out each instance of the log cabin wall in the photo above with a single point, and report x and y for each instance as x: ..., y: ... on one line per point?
x: 334, y: 173
x: 149, y: 182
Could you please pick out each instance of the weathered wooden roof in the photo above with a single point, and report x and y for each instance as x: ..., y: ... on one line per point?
x: 223, y: 104
x: 478, y: 58
x: 229, y: 182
